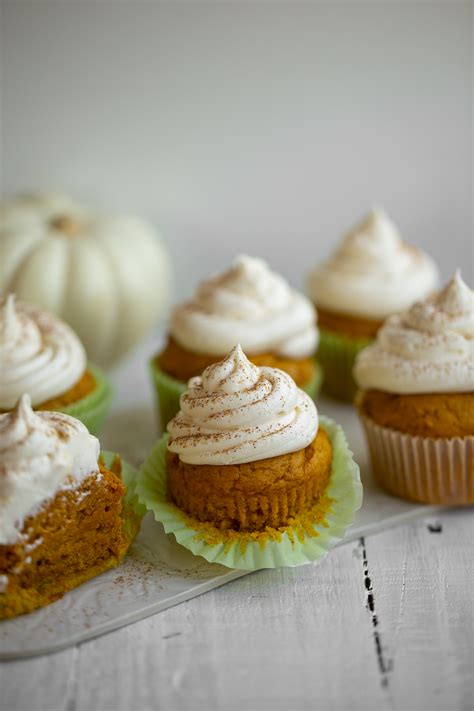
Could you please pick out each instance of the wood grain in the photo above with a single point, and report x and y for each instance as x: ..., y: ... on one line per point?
x: 384, y: 623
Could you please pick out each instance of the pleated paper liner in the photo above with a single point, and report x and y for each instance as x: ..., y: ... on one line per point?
x: 93, y: 408
x: 308, y: 538
x: 168, y: 390
x: 337, y: 354
x: 423, y: 469
x: 314, y: 385
x: 133, y: 509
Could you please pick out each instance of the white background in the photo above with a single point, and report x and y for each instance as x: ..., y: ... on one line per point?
x: 262, y: 127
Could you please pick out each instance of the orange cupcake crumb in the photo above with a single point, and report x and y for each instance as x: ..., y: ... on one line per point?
x: 75, y: 536
x: 425, y: 415
x: 255, y: 495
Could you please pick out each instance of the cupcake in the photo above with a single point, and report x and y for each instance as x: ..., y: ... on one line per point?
x: 250, y: 304
x: 371, y: 276
x: 64, y: 516
x: 42, y: 356
x: 248, y: 460
x: 417, y: 399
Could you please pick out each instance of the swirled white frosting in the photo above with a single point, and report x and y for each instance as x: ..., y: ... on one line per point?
x: 428, y: 349
x: 374, y: 273
x: 251, y: 305
x: 236, y: 413
x: 40, y: 453
x: 39, y: 354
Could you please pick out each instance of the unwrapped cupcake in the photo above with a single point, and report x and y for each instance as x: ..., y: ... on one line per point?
x: 417, y: 399
x: 42, y: 356
x: 66, y: 514
x: 249, y: 475
x: 372, y: 275
x: 250, y: 304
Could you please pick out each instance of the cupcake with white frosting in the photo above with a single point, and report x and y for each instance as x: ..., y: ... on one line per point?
x: 249, y: 462
x: 417, y: 398
x: 372, y: 275
x: 64, y: 516
x: 42, y: 356
x: 251, y: 304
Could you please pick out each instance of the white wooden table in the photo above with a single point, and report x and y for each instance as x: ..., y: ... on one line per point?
x: 381, y: 623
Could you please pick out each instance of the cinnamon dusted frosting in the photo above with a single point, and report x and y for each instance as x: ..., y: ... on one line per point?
x: 251, y: 305
x: 236, y: 413
x: 40, y: 453
x: 39, y: 354
x: 374, y: 273
x: 427, y: 349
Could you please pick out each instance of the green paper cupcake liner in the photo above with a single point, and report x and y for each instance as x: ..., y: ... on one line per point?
x: 314, y: 385
x: 168, y: 390
x: 133, y: 510
x: 93, y: 408
x: 337, y: 354
x: 289, y: 546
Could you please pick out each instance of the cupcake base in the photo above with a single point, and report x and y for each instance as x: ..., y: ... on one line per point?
x: 252, y: 496
x: 423, y: 469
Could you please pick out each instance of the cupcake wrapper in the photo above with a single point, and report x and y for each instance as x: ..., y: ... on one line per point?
x: 290, y: 546
x: 93, y: 408
x: 424, y: 469
x: 337, y: 354
x: 168, y: 390
x: 313, y: 387
x: 133, y: 510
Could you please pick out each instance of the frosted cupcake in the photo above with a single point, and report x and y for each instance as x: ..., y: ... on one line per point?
x: 372, y: 275
x: 42, y: 356
x: 249, y: 461
x: 417, y: 399
x: 249, y: 304
x: 64, y: 515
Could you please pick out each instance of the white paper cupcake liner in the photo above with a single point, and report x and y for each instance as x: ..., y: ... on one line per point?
x: 425, y: 469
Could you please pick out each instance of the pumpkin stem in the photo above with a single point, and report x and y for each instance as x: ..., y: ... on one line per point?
x: 66, y: 224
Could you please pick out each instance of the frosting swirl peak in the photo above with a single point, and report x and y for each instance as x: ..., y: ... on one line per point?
x: 39, y: 453
x: 373, y: 273
x: 39, y: 354
x: 428, y: 349
x: 251, y: 304
x: 236, y: 413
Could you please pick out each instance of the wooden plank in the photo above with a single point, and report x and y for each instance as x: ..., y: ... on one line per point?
x: 41, y: 684
x: 284, y: 639
x: 421, y: 580
x: 385, y: 623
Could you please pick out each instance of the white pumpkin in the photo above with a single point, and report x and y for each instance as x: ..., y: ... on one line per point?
x: 108, y: 276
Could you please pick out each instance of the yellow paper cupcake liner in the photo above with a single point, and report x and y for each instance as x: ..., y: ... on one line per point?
x: 168, y: 390
x: 337, y: 354
x: 308, y: 539
x: 92, y: 409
